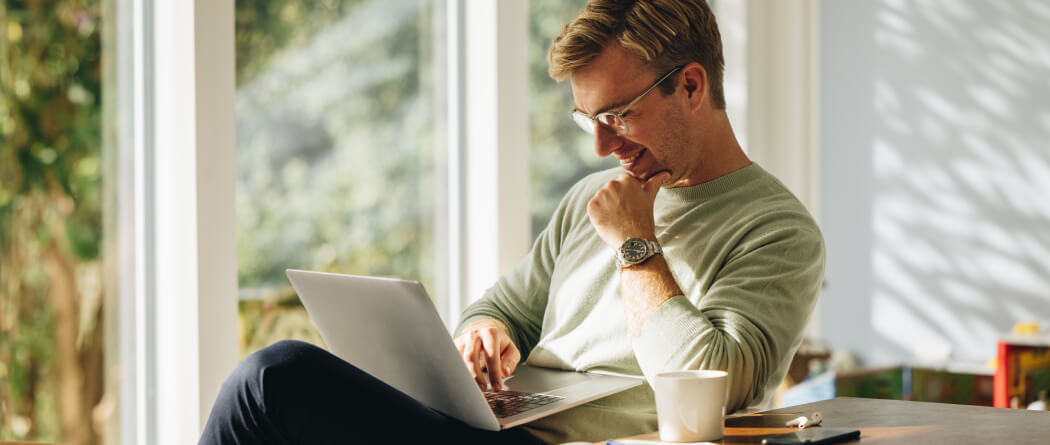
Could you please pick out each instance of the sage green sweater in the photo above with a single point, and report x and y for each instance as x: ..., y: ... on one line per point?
x: 745, y: 252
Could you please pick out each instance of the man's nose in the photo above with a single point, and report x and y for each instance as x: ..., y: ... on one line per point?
x: 605, y: 140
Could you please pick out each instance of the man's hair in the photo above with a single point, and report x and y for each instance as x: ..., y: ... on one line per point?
x: 662, y: 33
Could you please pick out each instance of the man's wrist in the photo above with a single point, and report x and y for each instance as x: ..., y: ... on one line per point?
x: 634, y: 251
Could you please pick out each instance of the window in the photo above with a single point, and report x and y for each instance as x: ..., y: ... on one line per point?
x: 340, y: 150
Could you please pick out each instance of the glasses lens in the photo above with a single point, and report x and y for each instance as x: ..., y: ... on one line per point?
x: 584, y: 121
x: 612, y: 122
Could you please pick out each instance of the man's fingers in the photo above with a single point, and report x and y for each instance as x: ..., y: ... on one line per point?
x: 654, y: 183
x: 475, y: 361
x: 465, y: 352
x: 510, y: 358
x: 491, y: 351
x: 468, y: 355
x: 482, y: 345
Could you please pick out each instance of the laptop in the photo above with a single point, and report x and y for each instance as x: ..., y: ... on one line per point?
x: 390, y: 329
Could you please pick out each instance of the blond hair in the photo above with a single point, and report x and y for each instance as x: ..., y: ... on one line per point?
x: 662, y: 33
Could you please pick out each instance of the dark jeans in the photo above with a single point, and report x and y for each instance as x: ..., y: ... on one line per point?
x: 296, y: 393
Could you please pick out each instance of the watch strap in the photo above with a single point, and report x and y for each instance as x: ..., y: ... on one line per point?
x: 627, y: 255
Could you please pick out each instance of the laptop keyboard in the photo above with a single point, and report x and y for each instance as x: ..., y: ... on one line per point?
x: 509, y: 403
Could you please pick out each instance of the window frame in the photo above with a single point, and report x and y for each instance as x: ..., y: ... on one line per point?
x: 175, y: 259
x: 491, y: 185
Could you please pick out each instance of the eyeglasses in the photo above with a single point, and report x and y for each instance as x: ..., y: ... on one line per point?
x: 614, y: 120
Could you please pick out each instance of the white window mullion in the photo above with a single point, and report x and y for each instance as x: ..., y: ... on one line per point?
x: 215, y: 169
x: 123, y: 126
x: 131, y: 371
x: 512, y: 165
x: 454, y: 212
x: 493, y: 162
x: 174, y: 213
x: 177, y: 267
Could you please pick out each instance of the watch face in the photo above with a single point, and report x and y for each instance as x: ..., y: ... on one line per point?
x: 633, y: 250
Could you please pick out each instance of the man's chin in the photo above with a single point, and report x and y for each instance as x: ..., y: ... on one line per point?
x: 641, y: 175
x: 645, y: 175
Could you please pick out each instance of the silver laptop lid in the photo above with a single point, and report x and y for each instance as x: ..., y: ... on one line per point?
x: 364, y: 320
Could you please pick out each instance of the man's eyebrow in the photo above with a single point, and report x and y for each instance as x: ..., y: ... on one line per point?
x: 606, y: 108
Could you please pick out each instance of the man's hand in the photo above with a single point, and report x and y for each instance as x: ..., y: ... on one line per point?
x: 624, y: 208
x: 486, y: 344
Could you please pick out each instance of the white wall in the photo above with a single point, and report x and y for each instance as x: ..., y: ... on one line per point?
x: 935, y: 186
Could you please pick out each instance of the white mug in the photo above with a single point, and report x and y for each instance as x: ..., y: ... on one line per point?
x: 690, y: 405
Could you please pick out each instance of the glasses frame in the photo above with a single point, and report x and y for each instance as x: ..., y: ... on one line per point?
x: 589, y: 123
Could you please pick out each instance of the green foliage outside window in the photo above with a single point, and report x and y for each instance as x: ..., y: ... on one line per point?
x: 50, y: 220
x: 336, y: 150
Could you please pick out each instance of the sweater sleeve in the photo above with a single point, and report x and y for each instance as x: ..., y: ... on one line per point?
x: 751, y: 317
x: 519, y: 298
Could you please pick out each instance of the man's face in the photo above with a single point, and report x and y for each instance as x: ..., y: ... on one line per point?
x: 655, y: 140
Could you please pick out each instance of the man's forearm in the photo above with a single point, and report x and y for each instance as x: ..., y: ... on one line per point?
x: 644, y: 288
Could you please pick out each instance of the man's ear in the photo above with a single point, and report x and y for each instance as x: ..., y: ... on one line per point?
x: 694, y: 80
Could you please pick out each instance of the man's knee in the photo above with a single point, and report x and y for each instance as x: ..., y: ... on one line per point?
x: 266, y: 377
x: 276, y: 364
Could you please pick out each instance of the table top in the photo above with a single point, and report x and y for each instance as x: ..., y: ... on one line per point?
x: 897, y: 422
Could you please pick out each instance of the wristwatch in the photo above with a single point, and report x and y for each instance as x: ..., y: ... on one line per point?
x: 636, y: 251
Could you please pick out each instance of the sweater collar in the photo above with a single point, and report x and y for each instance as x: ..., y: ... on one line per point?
x: 714, y: 187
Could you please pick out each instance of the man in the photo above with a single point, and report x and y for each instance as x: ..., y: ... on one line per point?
x: 687, y: 257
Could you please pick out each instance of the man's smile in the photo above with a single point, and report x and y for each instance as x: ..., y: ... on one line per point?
x: 625, y: 161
